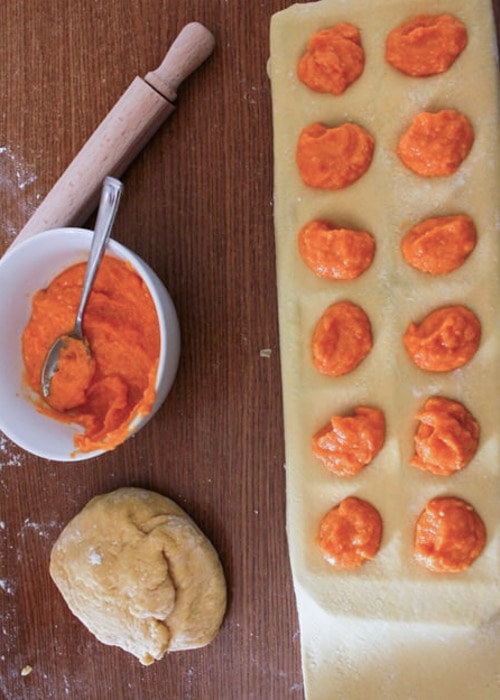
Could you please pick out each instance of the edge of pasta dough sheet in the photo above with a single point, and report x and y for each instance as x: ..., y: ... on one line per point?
x: 387, y: 200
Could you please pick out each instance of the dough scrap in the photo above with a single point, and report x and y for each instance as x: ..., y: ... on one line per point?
x: 136, y: 570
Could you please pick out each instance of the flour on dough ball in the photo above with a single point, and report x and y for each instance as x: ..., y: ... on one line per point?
x: 136, y: 570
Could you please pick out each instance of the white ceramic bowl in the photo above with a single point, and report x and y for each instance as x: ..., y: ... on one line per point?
x: 27, y: 267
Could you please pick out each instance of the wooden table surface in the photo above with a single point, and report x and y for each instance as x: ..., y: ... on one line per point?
x: 198, y: 208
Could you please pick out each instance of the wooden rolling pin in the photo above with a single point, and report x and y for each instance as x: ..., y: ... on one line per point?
x: 122, y: 134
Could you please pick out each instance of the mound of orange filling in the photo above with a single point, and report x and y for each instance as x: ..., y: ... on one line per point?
x: 335, y: 252
x: 347, y: 444
x: 350, y: 533
x: 333, y: 60
x: 426, y: 45
x: 436, y: 143
x: 331, y: 158
x: 447, y: 437
x: 439, y: 245
x: 341, y: 339
x: 449, y: 535
x: 447, y: 338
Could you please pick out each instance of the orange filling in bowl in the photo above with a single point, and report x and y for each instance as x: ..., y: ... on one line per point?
x: 121, y: 325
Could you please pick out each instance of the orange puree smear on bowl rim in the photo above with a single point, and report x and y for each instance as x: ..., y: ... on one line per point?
x: 439, y: 245
x: 447, y: 437
x: 347, y: 444
x: 342, y: 338
x: 333, y: 60
x: 426, y: 45
x: 121, y: 326
x: 447, y: 338
x: 332, y: 158
x: 449, y: 535
x: 436, y: 143
x: 350, y: 533
x: 335, y: 253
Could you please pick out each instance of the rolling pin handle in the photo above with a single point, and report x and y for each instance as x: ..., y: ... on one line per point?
x: 190, y: 49
x: 121, y: 135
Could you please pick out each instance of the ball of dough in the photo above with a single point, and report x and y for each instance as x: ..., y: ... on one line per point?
x: 139, y: 574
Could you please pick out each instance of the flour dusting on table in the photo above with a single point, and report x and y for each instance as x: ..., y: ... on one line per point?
x: 10, y: 456
x: 16, y: 194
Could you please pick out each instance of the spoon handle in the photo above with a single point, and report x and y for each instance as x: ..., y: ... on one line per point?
x: 108, y: 206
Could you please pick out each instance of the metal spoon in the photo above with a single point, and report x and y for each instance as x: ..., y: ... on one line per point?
x: 108, y: 207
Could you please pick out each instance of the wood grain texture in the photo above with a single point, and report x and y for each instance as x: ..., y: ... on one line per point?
x: 198, y: 208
